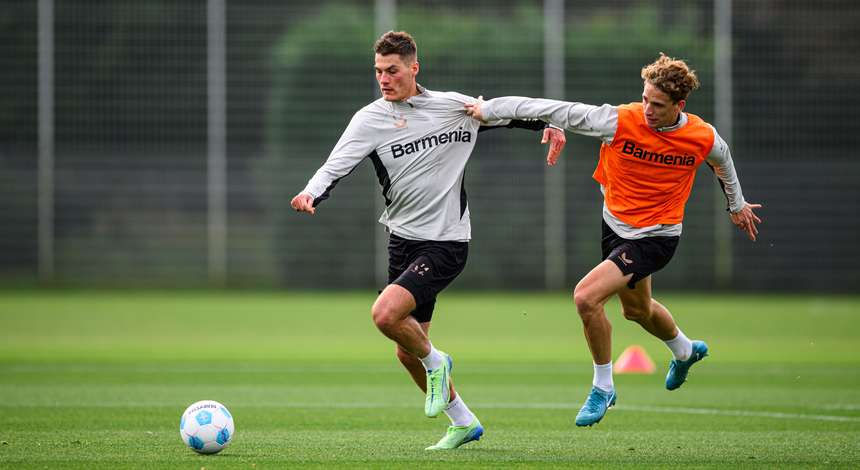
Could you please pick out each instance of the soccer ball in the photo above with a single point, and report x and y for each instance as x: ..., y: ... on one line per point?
x: 206, y: 427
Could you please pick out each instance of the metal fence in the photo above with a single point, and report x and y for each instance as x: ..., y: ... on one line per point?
x: 159, y: 142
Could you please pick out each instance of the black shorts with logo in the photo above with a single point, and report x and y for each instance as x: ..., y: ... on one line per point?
x: 424, y: 268
x: 642, y: 256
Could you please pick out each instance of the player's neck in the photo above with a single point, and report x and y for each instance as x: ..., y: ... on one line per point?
x: 415, y: 92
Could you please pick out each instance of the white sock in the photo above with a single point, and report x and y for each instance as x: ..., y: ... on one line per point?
x: 433, y: 360
x: 459, y: 413
x: 603, y: 377
x: 681, y: 346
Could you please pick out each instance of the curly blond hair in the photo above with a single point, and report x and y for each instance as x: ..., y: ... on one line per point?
x: 671, y: 76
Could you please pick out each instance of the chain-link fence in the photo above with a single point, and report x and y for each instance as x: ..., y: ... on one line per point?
x: 159, y: 142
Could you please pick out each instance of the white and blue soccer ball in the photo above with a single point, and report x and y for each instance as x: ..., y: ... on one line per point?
x: 206, y: 427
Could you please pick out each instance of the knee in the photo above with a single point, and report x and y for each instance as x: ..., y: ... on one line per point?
x: 636, y: 313
x: 585, y: 303
x: 384, y: 316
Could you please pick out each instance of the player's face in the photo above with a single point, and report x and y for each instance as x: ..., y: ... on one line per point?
x: 396, y: 78
x: 660, y: 110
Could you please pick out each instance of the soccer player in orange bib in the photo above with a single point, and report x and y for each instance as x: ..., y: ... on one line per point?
x: 648, y: 159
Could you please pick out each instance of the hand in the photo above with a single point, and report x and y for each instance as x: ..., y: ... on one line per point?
x: 474, y: 110
x: 746, y: 220
x: 557, y: 140
x: 303, y: 202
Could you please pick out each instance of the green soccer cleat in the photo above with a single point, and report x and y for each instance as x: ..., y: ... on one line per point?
x: 678, y: 369
x: 459, y: 435
x: 438, y: 388
x: 595, y: 407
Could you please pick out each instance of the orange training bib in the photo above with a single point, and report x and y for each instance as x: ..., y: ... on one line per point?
x: 647, y: 175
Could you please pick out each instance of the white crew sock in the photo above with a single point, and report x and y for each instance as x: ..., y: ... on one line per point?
x: 433, y: 360
x: 681, y: 346
x: 603, y: 377
x: 459, y: 413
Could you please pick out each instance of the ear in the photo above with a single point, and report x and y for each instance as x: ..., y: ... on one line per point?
x: 681, y: 105
x: 415, y: 67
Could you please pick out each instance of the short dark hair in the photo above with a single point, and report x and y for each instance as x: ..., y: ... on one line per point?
x: 397, y: 42
x: 671, y: 76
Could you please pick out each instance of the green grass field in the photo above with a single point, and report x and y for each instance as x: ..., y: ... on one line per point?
x: 99, y: 380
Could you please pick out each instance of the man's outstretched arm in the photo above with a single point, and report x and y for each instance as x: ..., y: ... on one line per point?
x: 584, y: 119
x: 551, y: 134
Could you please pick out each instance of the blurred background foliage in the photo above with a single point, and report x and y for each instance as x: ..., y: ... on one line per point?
x: 130, y: 121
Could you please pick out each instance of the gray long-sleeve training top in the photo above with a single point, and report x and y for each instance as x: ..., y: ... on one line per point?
x: 419, y: 148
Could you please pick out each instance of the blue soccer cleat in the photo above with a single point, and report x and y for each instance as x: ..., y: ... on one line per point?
x: 678, y: 369
x: 595, y: 407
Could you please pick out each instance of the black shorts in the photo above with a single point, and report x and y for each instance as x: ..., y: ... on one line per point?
x: 424, y: 268
x: 642, y: 257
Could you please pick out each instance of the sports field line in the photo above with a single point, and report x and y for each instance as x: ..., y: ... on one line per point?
x: 755, y: 414
x: 504, y: 406
x: 839, y: 406
x: 572, y: 406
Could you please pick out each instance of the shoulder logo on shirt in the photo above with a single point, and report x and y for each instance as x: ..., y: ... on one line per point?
x: 426, y: 143
x: 630, y: 148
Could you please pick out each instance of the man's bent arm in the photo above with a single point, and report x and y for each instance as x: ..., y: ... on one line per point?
x: 580, y: 118
x: 350, y: 150
x: 720, y: 160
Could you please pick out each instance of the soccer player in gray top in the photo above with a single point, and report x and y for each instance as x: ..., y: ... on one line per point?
x: 419, y: 142
x: 648, y: 159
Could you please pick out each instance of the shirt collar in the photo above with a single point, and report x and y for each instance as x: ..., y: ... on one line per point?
x: 417, y: 100
x: 682, y: 120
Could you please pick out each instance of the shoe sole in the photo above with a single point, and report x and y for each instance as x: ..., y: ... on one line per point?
x: 476, y: 436
x: 479, y: 431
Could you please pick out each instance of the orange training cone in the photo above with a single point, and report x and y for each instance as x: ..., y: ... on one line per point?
x: 634, y: 360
